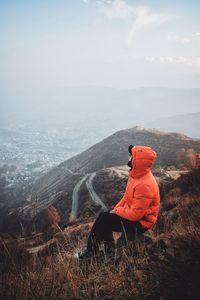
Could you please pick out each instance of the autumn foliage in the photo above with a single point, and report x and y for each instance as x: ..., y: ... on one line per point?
x: 188, y: 158
x: 51, y: 218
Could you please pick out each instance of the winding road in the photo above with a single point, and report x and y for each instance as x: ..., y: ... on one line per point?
x: 93, y: 194
x: 74, y: 211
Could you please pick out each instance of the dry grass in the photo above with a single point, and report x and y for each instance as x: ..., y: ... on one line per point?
x: 60, y: 276
x: 145, y: 271
x: 163, y: 265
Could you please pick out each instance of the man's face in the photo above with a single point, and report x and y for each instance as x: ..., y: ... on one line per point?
x: 129, y: 164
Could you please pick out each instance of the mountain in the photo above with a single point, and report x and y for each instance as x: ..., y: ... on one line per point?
x: 112, y: 151
x: 61, y: 186
x: 57, y: 185
x: 187, y: 123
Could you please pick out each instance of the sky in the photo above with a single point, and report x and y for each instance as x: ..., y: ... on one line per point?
x: 114, y: 43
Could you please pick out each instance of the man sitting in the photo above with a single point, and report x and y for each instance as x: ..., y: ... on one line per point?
x: 138, y: 209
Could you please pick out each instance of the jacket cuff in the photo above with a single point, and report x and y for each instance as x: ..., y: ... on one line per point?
x: 119, y: 211
x: 114, y: 209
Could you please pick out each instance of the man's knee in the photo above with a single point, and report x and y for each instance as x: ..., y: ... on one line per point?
x: 104, y: 214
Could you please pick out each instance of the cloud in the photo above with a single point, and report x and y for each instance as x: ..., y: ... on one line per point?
x: 181, y: 60
x: 86, y: 1
x: 117, y: 9
x: 143, y: 18
x: 139, y: 17
x: 184, y: 39
x: 167, y: 60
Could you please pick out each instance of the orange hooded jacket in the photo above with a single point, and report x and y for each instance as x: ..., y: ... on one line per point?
x: 141, y: 200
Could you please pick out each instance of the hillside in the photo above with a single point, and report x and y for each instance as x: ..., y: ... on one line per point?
x: 164, y: 264
x: 112, y: 151
x: 62, y: 185
x: 187, y: 123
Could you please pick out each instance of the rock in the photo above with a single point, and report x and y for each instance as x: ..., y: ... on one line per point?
x: 170, y: 251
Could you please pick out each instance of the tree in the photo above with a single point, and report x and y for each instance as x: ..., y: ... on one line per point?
x: 190, y: 158
x: 52, y: 219
x: 180, y: 156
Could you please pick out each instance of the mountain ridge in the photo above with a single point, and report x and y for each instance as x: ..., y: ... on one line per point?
x: 188, y: 124
x: 56, y: 187
x: 123, y: 138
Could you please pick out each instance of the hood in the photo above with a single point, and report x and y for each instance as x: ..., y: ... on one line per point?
x: 143, y: 159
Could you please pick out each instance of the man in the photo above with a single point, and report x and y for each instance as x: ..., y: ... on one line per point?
x: 138, y: 209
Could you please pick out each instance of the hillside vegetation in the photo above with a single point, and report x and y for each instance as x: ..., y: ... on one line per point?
x: 164, y: 264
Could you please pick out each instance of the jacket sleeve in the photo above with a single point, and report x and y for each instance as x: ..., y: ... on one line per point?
x: 139, y: 204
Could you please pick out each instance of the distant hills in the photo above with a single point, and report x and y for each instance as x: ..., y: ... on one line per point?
x: 112, y: 151
x: 96, y: 108
x: 187, y: 123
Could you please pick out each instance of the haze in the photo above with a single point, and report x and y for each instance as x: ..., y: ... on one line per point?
x: 89, y: 61
x: 74, y: 72
x: 118, y: 43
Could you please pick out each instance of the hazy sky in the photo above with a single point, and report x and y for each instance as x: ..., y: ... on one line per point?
x: 119, y: 43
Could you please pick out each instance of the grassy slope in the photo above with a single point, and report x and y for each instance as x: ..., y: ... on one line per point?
x: 164, y: 265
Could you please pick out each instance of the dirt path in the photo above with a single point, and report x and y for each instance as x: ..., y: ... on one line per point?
x: 120, y: 171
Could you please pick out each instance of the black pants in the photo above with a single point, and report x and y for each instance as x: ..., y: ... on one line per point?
x: 105, y: 224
